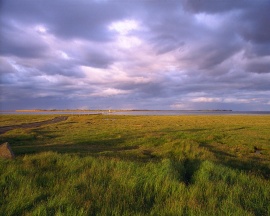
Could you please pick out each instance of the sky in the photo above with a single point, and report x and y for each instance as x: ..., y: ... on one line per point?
x: 135, y: 54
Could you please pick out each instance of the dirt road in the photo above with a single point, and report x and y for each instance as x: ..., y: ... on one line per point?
x: 4, y: 129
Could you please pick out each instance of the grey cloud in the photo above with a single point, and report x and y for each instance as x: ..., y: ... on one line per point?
x: 62, y: 68
x: 67, y: 19
x: 150, y: 90
x: 223, y: 59
x: 213, y: 6
x: 251, y: 20
x: 170, y: 32
x: 216, y: 86
x: 253, y: 50
x: 5, y: 67
x: 254, y: 23
x: 202, y: 46
x: 48, y: 102
x: 167, y: 43
x: 211, y: 55
x: 97, y: 58
x: 258, y: 67
x: 31, y: 88
x: 18, y: 42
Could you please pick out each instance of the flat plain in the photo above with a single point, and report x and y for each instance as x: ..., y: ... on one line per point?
x: 137, y: 165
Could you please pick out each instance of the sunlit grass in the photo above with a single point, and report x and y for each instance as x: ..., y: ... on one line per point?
x: 6, y: 120
x: 139, y: 165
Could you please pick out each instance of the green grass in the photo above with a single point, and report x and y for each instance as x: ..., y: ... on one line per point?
x: 6, y: 120
x: 139, y: 165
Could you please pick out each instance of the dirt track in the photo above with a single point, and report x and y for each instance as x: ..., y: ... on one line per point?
x: 34, y: 124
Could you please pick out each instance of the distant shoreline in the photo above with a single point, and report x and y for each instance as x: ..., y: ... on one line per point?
x: 132, y: 112
x: 117, y: 110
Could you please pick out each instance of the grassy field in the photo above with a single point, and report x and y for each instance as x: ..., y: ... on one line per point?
x: 6, y: 120
x: 137, y: 165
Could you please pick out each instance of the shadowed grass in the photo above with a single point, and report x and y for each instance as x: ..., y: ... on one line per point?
x: 50, y: 183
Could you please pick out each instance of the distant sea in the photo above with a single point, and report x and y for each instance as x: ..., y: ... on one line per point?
x: 140, y: 112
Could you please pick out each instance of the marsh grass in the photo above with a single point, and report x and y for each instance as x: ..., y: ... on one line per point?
x: 7, y: 120
x: 139, y: 165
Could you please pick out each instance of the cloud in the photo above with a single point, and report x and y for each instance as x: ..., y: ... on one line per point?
x: 67, y: 19
x: 212, y: 6
x: 258, y: 65
x: 205, y: 99
x: 15, y: 41
x: 6, y: 67
x: 140, y: 54
x: 109, y: 92
x: 254, y: 23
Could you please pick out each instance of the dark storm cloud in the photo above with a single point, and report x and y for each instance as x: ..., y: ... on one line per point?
x: 254, y: 23
x: 251, y: 20
x: 258, y: 67
x: 212, y: 54
x: 6, y: 67
x: 254, y: 50
x: 67, y: 19
x: 159, y: 54
x: 213, y: 6
x: 97, y: 58
x: 18, y: 42
x: 147, y: 90
x: 181, y: 31
x: 168, y: 32
x: 62, y: 68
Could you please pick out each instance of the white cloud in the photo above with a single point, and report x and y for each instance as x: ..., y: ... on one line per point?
x: 63, y: 55
x: 110, y: 92
x: 210, y: 20
x: 205, y: 99
x: 181, y: 106
x: 124, y: 27
x: 239, y: 100
x: 41, y: 29
x: 128, y: 42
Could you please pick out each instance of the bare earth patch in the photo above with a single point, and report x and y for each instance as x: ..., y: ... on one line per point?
x: 34, y: 124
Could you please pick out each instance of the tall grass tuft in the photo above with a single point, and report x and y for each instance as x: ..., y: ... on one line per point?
x: 63, y: 184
